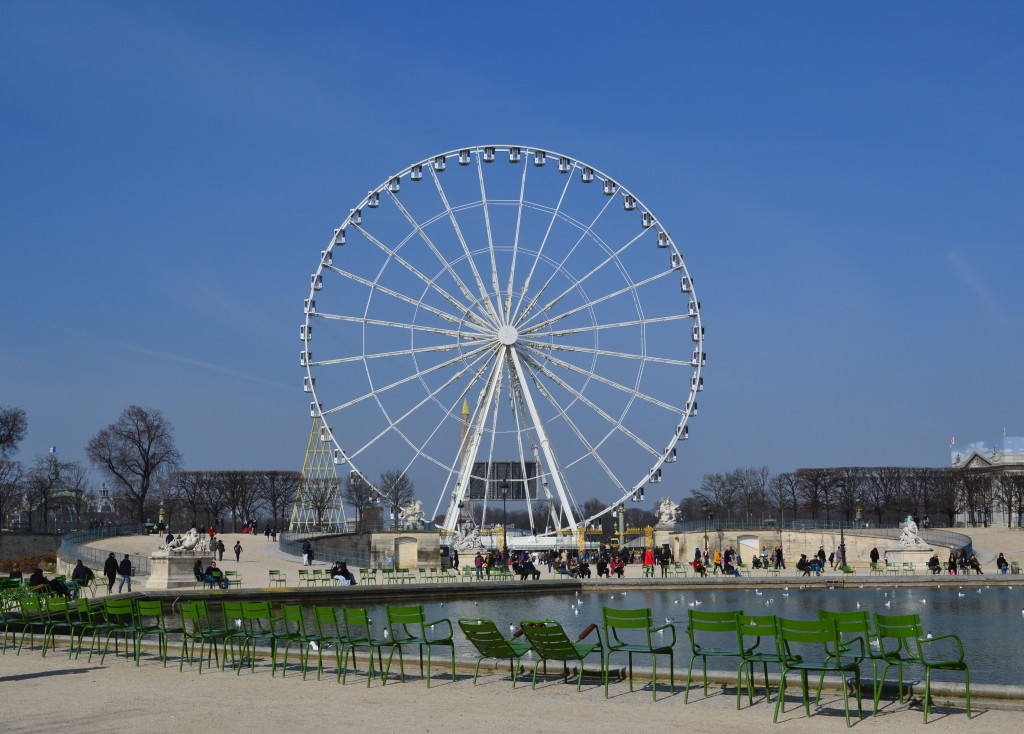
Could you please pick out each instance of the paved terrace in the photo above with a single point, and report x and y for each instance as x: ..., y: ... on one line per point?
x: 260, y: 556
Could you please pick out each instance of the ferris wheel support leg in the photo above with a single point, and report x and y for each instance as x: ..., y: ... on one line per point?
x: 542, y: 436
x: 483, y: 406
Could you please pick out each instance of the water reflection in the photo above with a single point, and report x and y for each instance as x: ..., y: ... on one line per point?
x: 985, y: 618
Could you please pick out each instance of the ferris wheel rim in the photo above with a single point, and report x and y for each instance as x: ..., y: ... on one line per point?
x: 354, y: 219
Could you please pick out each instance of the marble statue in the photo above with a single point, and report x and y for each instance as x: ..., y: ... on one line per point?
x: 667, y: 511
x: 908, y: 536
x: 191, y: 542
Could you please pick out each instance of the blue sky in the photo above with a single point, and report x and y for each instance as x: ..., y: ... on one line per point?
x: 844, y: 182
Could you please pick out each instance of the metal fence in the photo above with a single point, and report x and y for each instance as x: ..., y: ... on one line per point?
x: 73, y: 546
x: 291, y: 543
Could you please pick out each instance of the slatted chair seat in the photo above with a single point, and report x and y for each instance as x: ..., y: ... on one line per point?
x: 550, y: 642
x: 484, y: 635
x: 632, y: 631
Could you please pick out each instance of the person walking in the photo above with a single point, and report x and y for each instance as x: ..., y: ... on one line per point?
x: 124, y: 568
x: 307, y: 553
x: 110, y: 571
x: 238, y: 551
x: 220, y: 549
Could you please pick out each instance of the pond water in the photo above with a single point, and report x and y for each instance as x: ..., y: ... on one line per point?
x: 987, y: 618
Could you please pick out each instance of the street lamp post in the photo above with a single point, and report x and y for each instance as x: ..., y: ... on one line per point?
x: 504, y: 518
x: 840, y: 486
x: 704, y: 509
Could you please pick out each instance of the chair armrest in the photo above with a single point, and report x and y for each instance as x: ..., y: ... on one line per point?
x: 655, y: 630
x: 447, y: 622
x: 922, y: 641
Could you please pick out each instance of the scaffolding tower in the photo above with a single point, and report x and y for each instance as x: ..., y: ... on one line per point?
x: 318, y: 502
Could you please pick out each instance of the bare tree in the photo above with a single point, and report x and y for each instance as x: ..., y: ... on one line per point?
x: 239, y: 492
x: 190, y: 488
x: 782, y: 491
x: 397, y: 490
x: 13, y: 427
x: 12, y: 487
x: 752, y: 490
x: 717, y: 492
x: 815, y: 489
x: 278, y: 490
x: 359, y: 495
x: 135, y: 452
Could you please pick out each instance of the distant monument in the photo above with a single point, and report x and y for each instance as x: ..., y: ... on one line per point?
x: 668, y: 512
x: 909, y: 537
x: 191, y: 543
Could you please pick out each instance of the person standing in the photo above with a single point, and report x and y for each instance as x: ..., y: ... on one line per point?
x: 873, y: 555
x: 124, y: 569
x: 478, y: 562
x: 220, y: 549
x: 238, y: 551
x: 307, y: 553
x: 455, y: 558
x: 110, y: 571
x: 266, y: 534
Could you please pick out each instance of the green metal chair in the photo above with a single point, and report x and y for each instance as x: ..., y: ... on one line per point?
x: 550, y: 642
x: 54, y: 616
x: 855, y: 638
x: 805, y: 646
x: 485, y: 636
x: 119, y: 615
x: 408, y: 626
x: 359, y: 634
x: 329, y: 633
x: 750, y: 633
x: 902, y: 642
x: 720, y: 628
x: 151, y: 621
x: 31, y: 611
x: 294, y: 632
x: 258, y: 625
x: 633, y: 631
x: 196, y: 629
x: 277, y: 578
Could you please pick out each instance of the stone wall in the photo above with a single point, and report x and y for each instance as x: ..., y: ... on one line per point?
x: 794, y: 542
x: 408, y: 549
x: 21, y: 545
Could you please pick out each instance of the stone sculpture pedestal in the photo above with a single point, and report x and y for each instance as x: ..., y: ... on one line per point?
x: 918, y: 556
x: 174, y: 572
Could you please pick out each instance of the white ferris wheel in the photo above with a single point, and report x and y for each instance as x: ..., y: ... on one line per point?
x: 504, y: 323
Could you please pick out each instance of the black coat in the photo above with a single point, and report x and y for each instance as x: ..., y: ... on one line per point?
x: 110, y: 567
x: 125, y: 567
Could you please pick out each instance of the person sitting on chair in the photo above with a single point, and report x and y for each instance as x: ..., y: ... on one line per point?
x: 728, y: 568
x: 528, y: 570
x: 584, y: 569
x: 698, y: 567
x: 602, y: 567
x: 617, y: 567
x: 757, y: 561
x: 803, y: 565
x: 935, y: 564
x: 975, y: 564
x: 214, y: 575
x: 1002, y: 564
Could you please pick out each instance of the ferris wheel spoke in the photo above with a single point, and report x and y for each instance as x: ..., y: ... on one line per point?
x: 631, y: 288
x: 432, y: 284
x: 547, y: 346
x: 487, y: 226
x: 483, y: 404
x: 404, y: 326
x: 540, y: 249
x: 519, y: 410
x: 380, y: 355
x: 507, y: 309
x: 613, y: 257
x: 395, y: 294
x: 580, y: 436
x: 485, y: 301
x: 522, y: 316
x: 472, y: 354
x: 446, y: 266
x: 598, y: 327
x: 545, y: 443
x: 616, y: 424
x: 610, y: 383
x: 394, y: 424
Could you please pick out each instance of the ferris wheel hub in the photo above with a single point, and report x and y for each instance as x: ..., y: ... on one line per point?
x: 508, y: 335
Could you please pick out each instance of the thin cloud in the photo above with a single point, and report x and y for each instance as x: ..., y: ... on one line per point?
x: 966, y: 274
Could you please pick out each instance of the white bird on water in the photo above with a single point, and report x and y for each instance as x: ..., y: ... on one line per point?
x: 889, y: 603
